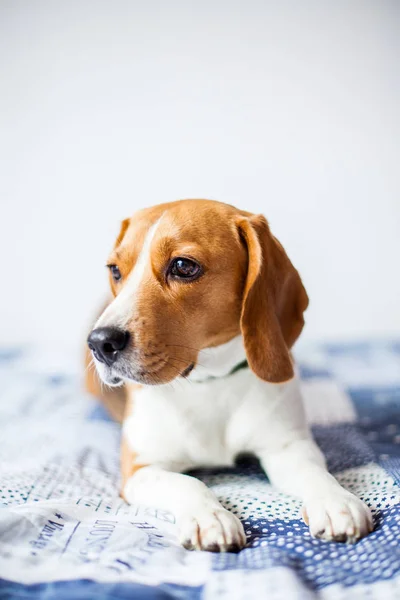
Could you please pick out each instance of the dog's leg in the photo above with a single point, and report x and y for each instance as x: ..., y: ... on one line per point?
x: 331, y: 512
x: 203, y: 523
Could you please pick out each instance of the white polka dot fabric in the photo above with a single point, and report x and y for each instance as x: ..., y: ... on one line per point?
x: 65, y: 533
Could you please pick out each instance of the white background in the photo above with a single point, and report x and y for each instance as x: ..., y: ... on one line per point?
x: 290, y: 109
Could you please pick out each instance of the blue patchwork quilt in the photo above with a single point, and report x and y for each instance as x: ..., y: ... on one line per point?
x: 65, y: 533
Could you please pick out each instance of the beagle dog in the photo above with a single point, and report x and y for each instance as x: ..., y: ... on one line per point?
x: 206, y: 308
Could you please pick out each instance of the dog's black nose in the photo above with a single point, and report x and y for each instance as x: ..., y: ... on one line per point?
x: 107, y: 342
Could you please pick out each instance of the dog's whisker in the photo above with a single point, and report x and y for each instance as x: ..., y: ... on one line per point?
x: 186, y: 347
x: 185, y: 361
x: 89, y: 366
x: 183, y: 376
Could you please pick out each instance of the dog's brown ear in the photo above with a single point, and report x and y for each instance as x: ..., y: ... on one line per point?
x: 274, y: 300
x: 124, y: 226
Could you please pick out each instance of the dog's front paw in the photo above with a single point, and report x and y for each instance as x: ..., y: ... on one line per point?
x: 338, y: 517
x: 214, y: 530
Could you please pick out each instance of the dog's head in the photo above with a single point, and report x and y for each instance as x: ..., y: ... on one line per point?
x: 192, y: 275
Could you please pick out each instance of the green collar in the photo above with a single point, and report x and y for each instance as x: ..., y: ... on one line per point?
x: 242, y: 365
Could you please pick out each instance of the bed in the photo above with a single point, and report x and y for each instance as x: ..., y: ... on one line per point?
x: 65, y: 533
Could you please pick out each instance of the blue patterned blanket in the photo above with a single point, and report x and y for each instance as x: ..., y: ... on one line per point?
x: 65, y: 533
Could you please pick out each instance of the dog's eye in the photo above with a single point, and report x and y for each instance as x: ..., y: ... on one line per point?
x: 115, y: 272
x: 184, y: 268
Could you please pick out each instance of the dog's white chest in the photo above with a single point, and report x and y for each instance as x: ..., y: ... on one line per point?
x: 183, y: 424
x: 192, y: 424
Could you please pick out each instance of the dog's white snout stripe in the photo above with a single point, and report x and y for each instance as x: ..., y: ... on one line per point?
x: 120, y: 311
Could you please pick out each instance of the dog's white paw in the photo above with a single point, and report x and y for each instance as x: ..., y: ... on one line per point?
x: 338, y: 517
x: 214, y: 530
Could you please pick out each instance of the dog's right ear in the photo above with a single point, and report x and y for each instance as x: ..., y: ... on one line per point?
x: 124, y: 226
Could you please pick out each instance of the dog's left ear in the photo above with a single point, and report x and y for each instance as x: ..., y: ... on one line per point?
x: 274, y: 300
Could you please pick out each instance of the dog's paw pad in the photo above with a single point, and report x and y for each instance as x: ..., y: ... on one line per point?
x: 212, y: 530
x: 338, y: 518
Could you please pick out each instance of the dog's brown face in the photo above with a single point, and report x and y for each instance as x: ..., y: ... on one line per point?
x: 191, y: 275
